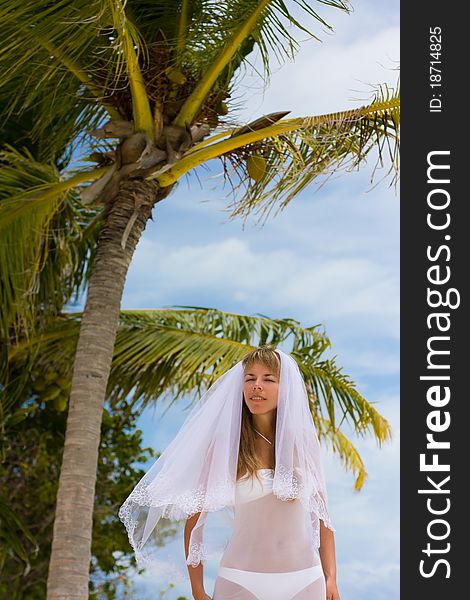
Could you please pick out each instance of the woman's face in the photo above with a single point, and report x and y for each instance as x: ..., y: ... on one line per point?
x: 260, y: 388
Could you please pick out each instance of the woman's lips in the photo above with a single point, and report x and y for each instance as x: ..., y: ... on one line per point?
x: 257, y: 400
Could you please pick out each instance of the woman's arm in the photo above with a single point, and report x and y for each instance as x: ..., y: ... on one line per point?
x: 328, y: 561
x: 195, y: 573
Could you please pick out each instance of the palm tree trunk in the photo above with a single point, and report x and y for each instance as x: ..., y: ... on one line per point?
x: 71, y: 543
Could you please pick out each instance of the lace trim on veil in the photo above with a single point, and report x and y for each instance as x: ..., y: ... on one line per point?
x: 286, y: 487
x: 173, y: 508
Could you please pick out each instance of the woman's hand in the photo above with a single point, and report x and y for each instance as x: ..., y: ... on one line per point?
x: 202, y: 596
x: 331, y: 589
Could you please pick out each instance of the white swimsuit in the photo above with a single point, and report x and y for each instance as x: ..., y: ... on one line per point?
x: 270, y: 554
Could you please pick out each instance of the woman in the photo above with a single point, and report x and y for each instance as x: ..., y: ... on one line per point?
x: 252, y: 445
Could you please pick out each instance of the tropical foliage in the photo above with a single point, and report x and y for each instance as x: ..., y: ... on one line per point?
x: 33, y: 446
x: 141, y: 93
x: 179, y: 352
x: 157, y: 69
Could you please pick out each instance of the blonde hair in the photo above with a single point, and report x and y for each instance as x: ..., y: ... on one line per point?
x: 248, y: 461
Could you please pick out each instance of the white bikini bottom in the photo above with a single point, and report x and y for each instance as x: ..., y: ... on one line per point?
x: 271, y: 586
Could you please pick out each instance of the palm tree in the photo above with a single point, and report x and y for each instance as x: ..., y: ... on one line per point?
x: 163, y: 73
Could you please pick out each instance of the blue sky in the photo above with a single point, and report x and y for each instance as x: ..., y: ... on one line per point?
x: 332, y: 257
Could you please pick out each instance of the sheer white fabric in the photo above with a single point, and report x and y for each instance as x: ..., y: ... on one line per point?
x: 197, y: 473
x: 272, y: 552
x: 269, y: 535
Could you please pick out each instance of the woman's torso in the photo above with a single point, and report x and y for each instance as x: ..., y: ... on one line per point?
x: 269, y: 535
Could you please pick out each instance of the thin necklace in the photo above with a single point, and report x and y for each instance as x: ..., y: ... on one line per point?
x: 263, y: 436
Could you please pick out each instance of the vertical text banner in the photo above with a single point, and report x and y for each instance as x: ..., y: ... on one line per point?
x: 435, y: 357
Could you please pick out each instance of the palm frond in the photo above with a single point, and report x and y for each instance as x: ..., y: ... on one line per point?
x: 79, y: 59
x: 342, y: 445
x: 23, y: 235
x: 34, y: 77
x: 76, y: 69
x: 181, y: 30
x: 180, y: 351
x: 12, y: 532
x: 42, y: 240
x: 294, y: 152
x: 127, y: 45
x: 235, y: 28
x: 229, y: 48
x: 16, y: 132
x: 334, y: 391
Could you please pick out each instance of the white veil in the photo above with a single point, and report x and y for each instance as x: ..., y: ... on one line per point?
x: 197, y: 471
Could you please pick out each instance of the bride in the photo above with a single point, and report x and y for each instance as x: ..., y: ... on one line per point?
x: 250, y: 444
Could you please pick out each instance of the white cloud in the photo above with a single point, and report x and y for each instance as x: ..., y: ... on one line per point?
x: 333, y: 75
x: 273, y: 281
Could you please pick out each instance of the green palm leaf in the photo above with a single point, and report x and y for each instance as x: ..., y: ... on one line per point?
x: 317, y: 150
x: 297, y: 151
x: 179, y: 352
x: 47, y: 240
x: 10, y: 525
x: 348, y: 454
x: 34, y: 77
x: 82, y: 59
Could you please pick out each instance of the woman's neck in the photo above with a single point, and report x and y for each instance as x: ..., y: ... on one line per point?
x: 264, y: 424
